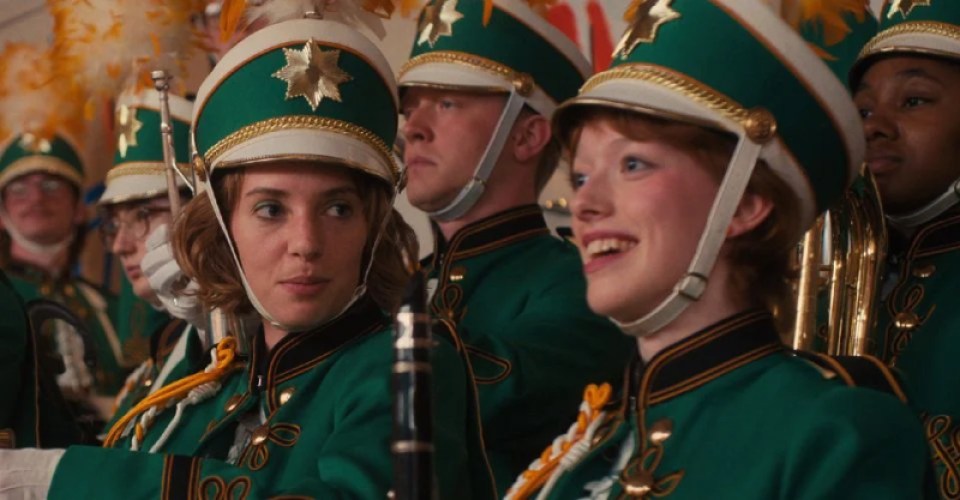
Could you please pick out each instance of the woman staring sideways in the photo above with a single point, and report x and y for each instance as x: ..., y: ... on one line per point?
x: 296, y: 224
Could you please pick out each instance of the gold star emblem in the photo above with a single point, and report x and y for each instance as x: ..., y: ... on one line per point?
x: 905, y: 7
x: 34, y: 144
x: 438, y: 19
x: 129, y: 126
x: 312, y: 74
x: 645, y: 21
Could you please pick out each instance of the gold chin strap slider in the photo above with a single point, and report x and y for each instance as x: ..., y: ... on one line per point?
x: 760, y: 125
x: 523, y: 83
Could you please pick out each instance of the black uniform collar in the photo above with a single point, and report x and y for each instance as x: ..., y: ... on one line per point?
x: 299, y: 352
x: 706, y: 356
x: 490, y: 233
x: 937, y: 236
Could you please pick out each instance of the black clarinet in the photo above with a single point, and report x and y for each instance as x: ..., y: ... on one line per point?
x: 413, y: 475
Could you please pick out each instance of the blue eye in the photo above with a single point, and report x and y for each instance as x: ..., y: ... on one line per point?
x: 446, y: 104
x: 577, y: 180
x: 633, y: 164
x: 865, y: 113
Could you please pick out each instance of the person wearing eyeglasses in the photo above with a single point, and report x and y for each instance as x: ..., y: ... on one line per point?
x: 296, y: 226
x: 42, y: 219
x: 136, y: 214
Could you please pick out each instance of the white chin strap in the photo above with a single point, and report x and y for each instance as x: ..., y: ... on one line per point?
x: 471, y: 193
x: 931, y: 211
x: 692, y: 285
x: 358, y: 292
x: 30, y: 246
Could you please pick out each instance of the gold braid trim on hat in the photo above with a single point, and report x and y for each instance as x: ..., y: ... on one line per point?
x: 464, y: 59
x: 303, y: 122
x: 40, y: 163
x: 759, y: 124
x: 143, y: 168
x: 659, y: 75
x: 934, y: 28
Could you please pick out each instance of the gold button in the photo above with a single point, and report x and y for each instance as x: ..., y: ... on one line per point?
x: 260, y: 435
x: 45, y: 290
x: 286, y: 394
x: 148, y: 382
x: 924, y: 271
x: 639, y: 485
x: 906, y: 320
x: 660, y: 431
x: 458, y: 273
x: 523, y: 83
x: 70, y: 291
x: 232, y: 403
x: 760, y: 125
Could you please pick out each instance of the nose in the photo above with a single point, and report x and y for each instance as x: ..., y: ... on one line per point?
x: 593, y: 200
x: 305, y: 239
x: 33, y: 193
x: 416, y: 126
x: 123, y: 241
x: 880, y: 124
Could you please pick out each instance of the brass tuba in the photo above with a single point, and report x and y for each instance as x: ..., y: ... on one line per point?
x: 843, y: 256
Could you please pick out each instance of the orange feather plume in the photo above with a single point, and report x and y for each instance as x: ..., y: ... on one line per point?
x: 33, y: 99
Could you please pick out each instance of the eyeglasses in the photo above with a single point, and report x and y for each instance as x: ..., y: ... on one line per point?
x: 47, y: 186
x: 138, y: 226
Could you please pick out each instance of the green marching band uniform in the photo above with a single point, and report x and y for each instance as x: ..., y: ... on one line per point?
x: 729, y: 412
x: 324, y: 395
x: 89, y: 303
x: 917, y: 329
x: 33, y: 412
x: 513, y: 292
x: 135, y: 320
x: 173, y: 348
x: 13, y: 351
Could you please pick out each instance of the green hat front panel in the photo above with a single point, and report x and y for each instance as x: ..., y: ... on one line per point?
x: 139, y: 170
x: 138, y: 130
x: 515, y: 49
x: 305, y: 89
x: 27, y: 154
x: 738, y: 67
x: 917, y: 26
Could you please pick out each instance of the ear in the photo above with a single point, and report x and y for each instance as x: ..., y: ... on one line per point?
x: 530, y: 136
x: 751, y: 212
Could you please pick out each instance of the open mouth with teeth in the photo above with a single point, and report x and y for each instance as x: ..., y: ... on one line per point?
x: 608, y: 246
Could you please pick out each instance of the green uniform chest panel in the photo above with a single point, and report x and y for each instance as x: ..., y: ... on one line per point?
x: 737, y: 425
x: 516, y: 296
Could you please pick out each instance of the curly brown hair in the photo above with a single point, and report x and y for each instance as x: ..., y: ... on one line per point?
x: 762, y: 257
x: 201, y: 248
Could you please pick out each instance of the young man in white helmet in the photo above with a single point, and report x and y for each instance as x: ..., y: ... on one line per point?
x: 478, y: 91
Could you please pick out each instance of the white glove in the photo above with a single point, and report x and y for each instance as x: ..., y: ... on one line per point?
x: 162, y: 270
x: 27, y: 473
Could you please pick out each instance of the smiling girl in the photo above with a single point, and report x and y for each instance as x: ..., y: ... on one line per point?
x: 695, y: 173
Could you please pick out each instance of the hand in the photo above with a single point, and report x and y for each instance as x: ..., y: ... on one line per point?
x: 27, y: 473
x: 163, y: 272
